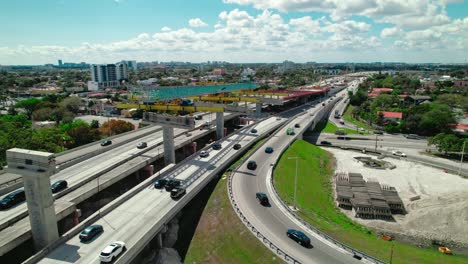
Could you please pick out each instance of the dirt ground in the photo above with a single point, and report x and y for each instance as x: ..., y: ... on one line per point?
x: 441, y: 215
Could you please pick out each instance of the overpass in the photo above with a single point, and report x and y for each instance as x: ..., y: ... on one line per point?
x: 89, y: 177
x: 151, y: 209
x: 143, y: 215
x: 77, y: 197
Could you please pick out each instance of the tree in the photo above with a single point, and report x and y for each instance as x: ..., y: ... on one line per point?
x: 94, y: 124
x: 451, y: 100
x: 446, y: 142
x: 61, y: 114
x: 29, y: 105
x: 436, y: 120
x: 82, y: 135
x: 42, y: 114
x: 115, y: 127
x: 358, y: 98
x: 73, y: 104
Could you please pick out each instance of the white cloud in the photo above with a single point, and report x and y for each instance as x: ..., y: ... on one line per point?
x: 412, y: 14
x: 197, y: 22
x: 390, y: 32
x: 242, y: 37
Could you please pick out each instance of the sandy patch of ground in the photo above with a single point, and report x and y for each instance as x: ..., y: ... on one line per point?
x: 440, y: 215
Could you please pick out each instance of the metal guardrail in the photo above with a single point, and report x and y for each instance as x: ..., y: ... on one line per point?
x: 309, y: 226
x: 271, y: 245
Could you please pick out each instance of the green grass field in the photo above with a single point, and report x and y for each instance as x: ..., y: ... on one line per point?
x: 329, y: 127
x: 221, y: 237
x: 349, y: 118
x: 317, y: 206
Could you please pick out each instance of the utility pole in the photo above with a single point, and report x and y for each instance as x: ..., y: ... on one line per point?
x: 391, y: 254
x: 376, y: 142
x: 461, y: 160
x: 295, y: 181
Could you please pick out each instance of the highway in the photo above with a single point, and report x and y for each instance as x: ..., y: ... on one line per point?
x: 83, y: 179
x: 272, y: 222
x: 64, y: 160
x: 136, y: 221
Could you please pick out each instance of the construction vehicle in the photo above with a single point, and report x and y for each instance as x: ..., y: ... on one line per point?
x: 445, y: 250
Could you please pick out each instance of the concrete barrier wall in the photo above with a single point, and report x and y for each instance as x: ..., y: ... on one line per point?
x: 133, y: 251
x: 94, y: 217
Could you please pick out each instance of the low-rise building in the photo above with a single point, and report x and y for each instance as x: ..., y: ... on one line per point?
x: 391, y: 116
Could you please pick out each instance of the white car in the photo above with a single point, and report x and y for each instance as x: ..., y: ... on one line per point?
x: 112, y: 251
x: 398, y: 153
x: 204, y: 154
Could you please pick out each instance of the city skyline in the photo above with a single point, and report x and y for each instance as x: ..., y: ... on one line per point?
x: 233, y: 30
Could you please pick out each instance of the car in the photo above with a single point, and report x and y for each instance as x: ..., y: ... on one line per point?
x: 324, y: 142
x: 237, y: 146
x: 188, y: 134
x: 253, y: 131
x: 106, y: 143
x: 59, y: 186
x: 378, y: 132
x: 299, y: 237
x: 278, y: 118
x: 90, y: 232
x: 262, y: 198
x: 398, y: 153
x: 297, y: 125
x: 204, y: 154
x: 171, y: 184
x: 251, y: 165
x: 268, y: 150
x: 159, y: 184
x: 342, y: 122
x: 142, y: 145
x: 412, y: 136
x: 12, y: 199
x: 198, y: 117
x: 112, y: 251
x: 323, y: 104
x: 177, y: 192
x: 216, y: 146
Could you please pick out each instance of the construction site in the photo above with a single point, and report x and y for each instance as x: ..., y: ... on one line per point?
x: 435, y: 203
x: 367, y: 200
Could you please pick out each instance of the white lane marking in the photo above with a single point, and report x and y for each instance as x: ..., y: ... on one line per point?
x: 293, y: 219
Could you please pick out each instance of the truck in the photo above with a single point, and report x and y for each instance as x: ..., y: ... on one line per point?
x: 337, y: 113
x: 290, y: 131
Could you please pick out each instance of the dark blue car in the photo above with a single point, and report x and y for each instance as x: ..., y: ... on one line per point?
x: 268, y: 150
x: 299, y: 237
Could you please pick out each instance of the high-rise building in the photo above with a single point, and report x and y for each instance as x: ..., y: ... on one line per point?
x: 131, y: 65
x: 104, y: 75
x: 122, y: 71
x: 60, y: 64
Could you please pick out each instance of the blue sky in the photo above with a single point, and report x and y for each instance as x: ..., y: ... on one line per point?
x: 97, y: 31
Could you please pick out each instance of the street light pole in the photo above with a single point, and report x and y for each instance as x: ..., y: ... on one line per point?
x: 461, y: 160
x: 376, y: 142
x: 295, y: 180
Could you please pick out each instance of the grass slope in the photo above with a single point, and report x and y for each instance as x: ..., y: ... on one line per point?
x: 317, y: 206
x: 349, y: 118
x: 329, y: 127
x: 221, y: 237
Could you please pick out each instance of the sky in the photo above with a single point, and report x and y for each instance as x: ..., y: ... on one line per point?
x: 107, y: 31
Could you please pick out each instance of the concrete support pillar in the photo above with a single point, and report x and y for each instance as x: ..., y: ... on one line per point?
x: 225, y: 132
x: 169, y: 151
x: 39, y: 166
x: 258, y: 109
x: 194, y: 146
x: 219, y: 125
x: 159, y: 240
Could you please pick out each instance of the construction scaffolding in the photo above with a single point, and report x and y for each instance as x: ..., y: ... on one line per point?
x: 369, y: 199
